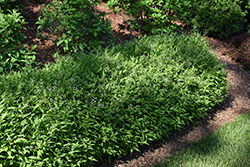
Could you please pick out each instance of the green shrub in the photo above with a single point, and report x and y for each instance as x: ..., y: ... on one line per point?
x: 76, y: 24
x: 13, y: 55
x: 245, y: 6
x: 152, y: 16
x: 108, y: 103
x: 219, y: 18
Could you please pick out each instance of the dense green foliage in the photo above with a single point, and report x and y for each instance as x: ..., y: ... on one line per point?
x: 104, y: 104
x: 108, y: 103
x: 76, y: 23
x: 219, y: 18
x: 152, y: 16
x: 228, y: 146
x: 13, y: 55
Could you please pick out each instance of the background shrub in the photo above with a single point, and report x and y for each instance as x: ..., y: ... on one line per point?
x: 219, y: 18
x: 13, y: 55
x: 152, y: 16
x: 76, y: 23
x: 245, y: 6
x: 8, y: 5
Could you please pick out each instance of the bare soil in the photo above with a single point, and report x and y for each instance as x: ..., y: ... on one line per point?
x: 237, y: 103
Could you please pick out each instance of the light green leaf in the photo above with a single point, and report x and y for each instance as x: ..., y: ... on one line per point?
x: 59, y: 42
x: 64, y: 35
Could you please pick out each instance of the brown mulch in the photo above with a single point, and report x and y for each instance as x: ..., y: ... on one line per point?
x: 238, y: 102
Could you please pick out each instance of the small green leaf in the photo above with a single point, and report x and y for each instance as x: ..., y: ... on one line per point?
x: 59, y: 42
x: 34, y: 158
x: 64, y: 35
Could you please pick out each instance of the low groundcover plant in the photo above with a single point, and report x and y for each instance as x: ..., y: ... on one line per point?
x: 108, y: 103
